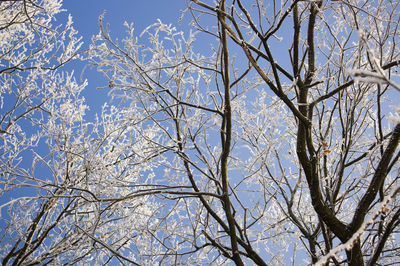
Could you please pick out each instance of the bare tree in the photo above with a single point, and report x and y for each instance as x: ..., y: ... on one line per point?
x: 278, y: 146
x: 67, y: 186
x: 35, y: 96
x: 316, y: 145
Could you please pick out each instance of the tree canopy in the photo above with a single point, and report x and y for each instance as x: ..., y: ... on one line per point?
x: 277, y: 145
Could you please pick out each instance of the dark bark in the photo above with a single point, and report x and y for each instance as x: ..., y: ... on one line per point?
x: 376, y: 182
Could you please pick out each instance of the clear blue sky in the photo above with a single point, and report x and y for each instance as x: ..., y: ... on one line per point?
x: 85, y: 13
x: 141, y: 13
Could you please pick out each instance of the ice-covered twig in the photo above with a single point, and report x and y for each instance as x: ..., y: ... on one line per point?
x: 348, y: 245
x: 377, y: 75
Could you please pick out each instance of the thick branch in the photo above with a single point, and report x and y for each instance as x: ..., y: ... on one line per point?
x: 226, y: 135
x: 376, y: 182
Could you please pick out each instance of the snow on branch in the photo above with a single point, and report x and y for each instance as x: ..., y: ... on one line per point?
x: 362, y: 75
x: 367, y: 76
x: 382, y: 207
x: 377, y: 75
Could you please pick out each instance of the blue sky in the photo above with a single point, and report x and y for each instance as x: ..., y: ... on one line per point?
x: 85, y: 14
